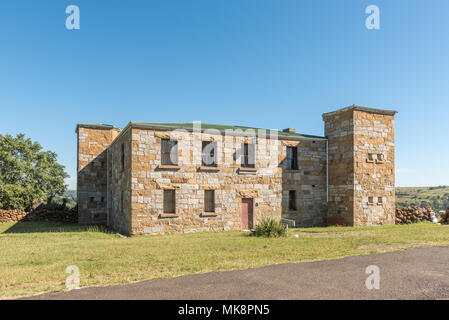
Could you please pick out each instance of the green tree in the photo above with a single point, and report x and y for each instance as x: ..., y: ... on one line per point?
x: 28, y: 175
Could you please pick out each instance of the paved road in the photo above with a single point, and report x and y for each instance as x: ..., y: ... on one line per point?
x: 410, y: 274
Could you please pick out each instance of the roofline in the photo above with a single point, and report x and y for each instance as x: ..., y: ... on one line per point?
x: 361, y: 108
x: 298, y: 136
x: 96, y: 126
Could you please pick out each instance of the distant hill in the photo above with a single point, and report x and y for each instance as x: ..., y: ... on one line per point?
x: 436, y: 197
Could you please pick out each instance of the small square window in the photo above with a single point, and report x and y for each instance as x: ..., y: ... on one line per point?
x: 370, y: 157
x: 380, y: 200
x: 380, y: 158
x: 370, y: 200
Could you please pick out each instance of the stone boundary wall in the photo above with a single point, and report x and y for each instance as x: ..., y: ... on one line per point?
x: 69, y: 216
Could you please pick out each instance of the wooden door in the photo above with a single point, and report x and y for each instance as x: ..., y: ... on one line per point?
x: 247, y: 214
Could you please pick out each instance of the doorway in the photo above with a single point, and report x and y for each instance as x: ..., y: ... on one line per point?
x: 247, y: 214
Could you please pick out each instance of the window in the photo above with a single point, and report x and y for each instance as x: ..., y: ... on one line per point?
x: 169, y: 152
x: 370, y: 157
x: 292, y: 158
x: 169, y: 201
x: 370, y: 200
x: 209, y: 201
x: 248, y: 160
x: 380, y: 158
x: 208, y: 157
x: 292, y: 200
x: 123, y: 156
x: 380, y: 200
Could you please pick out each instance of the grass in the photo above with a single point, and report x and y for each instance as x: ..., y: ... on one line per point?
x: 34, y: 255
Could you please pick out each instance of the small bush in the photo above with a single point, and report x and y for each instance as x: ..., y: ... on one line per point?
x: 270, y: 227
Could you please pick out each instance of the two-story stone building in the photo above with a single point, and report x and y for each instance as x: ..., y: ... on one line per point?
x: 186, y: 177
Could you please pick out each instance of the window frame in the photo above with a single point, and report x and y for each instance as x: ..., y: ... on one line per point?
x: 166, y: 154
x: 165, y: 209
x: 246, y: 155
x: 209, y: 203
x: 292, y: 162
x: 292, y: 200
x: 214, y: 150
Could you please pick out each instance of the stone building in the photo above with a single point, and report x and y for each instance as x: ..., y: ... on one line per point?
x: 187, y: 177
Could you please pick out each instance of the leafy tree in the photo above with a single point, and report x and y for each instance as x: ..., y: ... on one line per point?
x: 28, y: 175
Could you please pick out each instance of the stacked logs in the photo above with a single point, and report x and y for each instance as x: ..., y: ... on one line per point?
x: 445, y: 217
x: 412, y: 215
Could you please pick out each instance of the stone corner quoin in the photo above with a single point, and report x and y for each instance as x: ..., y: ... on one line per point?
x: 345, y: 177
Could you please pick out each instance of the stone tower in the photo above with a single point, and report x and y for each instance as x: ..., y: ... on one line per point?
x: 361, y: 165
x: 93, y: 141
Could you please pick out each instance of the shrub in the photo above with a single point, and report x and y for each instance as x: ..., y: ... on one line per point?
x: 270, y: 227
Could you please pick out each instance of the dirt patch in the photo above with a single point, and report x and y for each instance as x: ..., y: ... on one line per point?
x: 390, y: 246
x: 333, y: 234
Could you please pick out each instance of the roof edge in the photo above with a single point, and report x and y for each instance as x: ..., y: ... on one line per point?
x: 96, y: 126
x: 152, y: 126
x: 361, y: 108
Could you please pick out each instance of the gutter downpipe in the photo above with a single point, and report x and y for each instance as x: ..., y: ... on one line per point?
x: 107, y: 187
x: 327, y: 170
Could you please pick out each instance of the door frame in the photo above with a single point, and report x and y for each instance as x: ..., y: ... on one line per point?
x: 250, y: 209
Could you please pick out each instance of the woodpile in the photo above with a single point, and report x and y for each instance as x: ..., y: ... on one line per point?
x: 445, y: 217
x: 412, y: 215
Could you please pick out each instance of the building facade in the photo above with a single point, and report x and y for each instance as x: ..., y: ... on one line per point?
x: 186, y: 177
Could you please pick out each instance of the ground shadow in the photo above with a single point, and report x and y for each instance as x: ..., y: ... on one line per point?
x: 53, y: 226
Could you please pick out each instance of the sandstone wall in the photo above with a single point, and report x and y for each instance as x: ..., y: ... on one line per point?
x: 120, y: 184
x: 266, y: 185
x: 374, y: 133
x: 361, y: 187
x: 93, y: 141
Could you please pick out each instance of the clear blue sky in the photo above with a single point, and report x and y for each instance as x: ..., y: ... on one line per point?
x: 271, y: 64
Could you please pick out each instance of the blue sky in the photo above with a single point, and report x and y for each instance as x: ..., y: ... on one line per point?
x: 271, y: 64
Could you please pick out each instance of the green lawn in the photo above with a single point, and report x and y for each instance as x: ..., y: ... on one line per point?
x: 34, y: 255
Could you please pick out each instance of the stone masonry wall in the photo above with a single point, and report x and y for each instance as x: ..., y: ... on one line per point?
x: 374, y: 133
x: 361, y: 187
x: 339, y: 130
x: 190, y: 181
x: 92, y: 180
x: 120, y: 184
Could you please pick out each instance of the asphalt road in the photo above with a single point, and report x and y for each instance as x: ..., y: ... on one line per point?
x: 410, y: 274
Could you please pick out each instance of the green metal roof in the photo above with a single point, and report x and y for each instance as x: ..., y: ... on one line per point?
x: 220, y: 127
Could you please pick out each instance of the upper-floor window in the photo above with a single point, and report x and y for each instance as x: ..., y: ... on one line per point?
x: 292, y: 158
x: 209, y: 154
x: 169, y: 152
x: 248, y: 156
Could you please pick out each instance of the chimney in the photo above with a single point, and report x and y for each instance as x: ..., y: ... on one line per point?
x: 289, y: 130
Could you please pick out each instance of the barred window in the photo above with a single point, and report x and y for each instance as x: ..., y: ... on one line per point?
x: 169, y: 201
x: 209, y: 201
x: 292, y: 158
x: 209, y: 154
x: 249, y: 156
x: 169, y: 152
x: 291, y: 200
